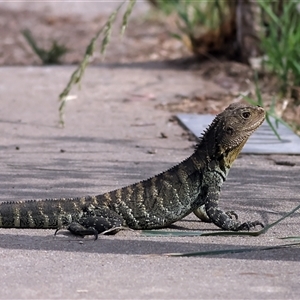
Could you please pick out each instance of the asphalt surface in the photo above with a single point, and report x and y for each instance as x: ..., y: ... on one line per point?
x: 113, y: 138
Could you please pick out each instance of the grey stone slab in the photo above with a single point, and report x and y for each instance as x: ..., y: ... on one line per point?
x: 262, y: 141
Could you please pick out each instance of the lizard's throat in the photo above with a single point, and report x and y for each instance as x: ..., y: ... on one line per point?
x: 230, y: 155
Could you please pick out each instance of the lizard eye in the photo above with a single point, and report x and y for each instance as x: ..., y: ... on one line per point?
x: 246, y: 115
x: 229, y: 130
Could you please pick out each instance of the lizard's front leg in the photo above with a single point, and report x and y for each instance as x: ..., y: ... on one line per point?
x: 212, y: 186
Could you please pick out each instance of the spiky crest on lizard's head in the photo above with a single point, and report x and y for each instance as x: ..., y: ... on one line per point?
x: 230, y: 130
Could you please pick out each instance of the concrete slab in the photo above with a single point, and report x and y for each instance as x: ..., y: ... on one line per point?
x: 113, y: 138
x: 262, y: 141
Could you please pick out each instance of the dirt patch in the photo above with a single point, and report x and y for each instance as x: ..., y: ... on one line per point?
x: 147, y: 39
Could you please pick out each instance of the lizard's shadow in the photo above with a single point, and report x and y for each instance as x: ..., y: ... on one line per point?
x: 135, y: 244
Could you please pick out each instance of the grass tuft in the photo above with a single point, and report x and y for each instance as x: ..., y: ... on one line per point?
x: 269, y: 112
x: 281, y: 41
x: 48, y: 57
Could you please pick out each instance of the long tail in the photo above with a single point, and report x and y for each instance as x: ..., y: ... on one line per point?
x: 47, y: 214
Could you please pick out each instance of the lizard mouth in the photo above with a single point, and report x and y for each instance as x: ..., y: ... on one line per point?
x: 254, y: 126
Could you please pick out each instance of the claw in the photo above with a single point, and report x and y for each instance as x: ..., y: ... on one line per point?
x: 249, y: 225
x: 95, y: 233
x: 56, y: 231
x: 90, y: 231
x: 231, y: 214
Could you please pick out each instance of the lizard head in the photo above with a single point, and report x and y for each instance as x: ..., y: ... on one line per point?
x: 230, y: 130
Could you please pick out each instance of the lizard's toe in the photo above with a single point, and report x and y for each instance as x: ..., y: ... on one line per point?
x: 232, y: 214
x: 249, y: 225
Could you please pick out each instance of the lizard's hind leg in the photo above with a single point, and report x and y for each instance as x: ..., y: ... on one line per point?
x: 101, y: 220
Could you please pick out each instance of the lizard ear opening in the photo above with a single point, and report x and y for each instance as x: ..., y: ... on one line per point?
x: 229, y: 130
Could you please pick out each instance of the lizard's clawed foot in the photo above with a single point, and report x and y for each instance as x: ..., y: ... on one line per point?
x: 75, y: 229
x: 78, y: 229
x: 249, y: 225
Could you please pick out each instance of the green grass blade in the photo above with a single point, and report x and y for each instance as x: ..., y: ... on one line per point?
x: 282, y: 218
x: 278, y: 119
x: 218, y: 233
x: 200, y: 233
x: 171, y: 233
x: 271, y: 112
x: 294, y: 238
x: 127, y: 14
x: 234, y: 250
x: 267, y: 8
x: 31, y: 41
x: 108, y: 29
x: 272, y: 126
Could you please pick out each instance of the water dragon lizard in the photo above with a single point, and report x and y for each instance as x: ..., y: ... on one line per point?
x: 191, y: 186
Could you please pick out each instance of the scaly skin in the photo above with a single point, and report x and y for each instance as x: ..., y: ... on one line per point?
x: 192, y: 185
